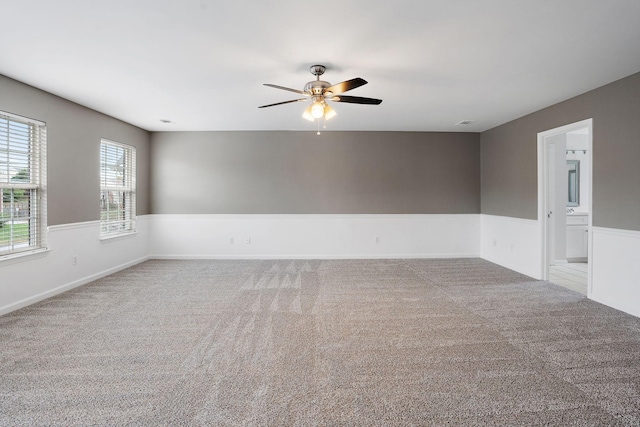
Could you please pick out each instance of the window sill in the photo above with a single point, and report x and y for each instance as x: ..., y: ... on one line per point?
x: 118, y: 236
x: 23, y: 256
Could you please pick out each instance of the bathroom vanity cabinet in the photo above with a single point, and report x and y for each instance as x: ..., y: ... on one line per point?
x: 577, y: 237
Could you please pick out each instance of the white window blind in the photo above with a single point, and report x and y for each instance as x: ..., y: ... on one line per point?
x: 117, y: 189
x: 23, y: 174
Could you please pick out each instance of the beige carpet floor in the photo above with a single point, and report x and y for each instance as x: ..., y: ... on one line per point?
x: 319, y: 343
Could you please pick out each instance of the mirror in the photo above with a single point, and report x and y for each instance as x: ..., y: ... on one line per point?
x: 573, y: 167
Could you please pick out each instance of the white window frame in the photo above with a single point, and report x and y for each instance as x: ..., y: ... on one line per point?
x: 117, y: 189
x: 23, y: 149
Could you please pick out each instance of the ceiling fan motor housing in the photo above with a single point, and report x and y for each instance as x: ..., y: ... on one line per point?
x: 316, y: 87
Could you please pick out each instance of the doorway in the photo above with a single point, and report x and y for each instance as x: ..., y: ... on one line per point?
x: 565, y: 204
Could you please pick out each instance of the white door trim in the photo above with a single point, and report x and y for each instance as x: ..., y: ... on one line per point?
x: 543, y: 182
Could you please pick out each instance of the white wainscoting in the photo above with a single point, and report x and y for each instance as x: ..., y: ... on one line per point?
x: 514, y: 243
x: 31, y: 278
x: 314, y: 236
x: 616, y: 269
x: 511, y: 242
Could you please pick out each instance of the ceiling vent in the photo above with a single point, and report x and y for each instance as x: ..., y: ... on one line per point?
x: 465, y: 122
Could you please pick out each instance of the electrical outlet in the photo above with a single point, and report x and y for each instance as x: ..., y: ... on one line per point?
x: 247, y: 240
x: 232, y: 240
x: 377, y: 240
x: 495, y: 242
x: 74, y: 260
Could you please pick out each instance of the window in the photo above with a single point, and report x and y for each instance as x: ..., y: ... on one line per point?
x: 117, y: 189
x: 23, y: 174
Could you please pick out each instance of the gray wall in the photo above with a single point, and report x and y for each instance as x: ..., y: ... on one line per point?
x: 73, y: 142
x: 509, y: 156
x: 300, y: 172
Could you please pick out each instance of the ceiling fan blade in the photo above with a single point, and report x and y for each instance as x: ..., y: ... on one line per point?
x: 356, y: 100
x: 342, y: 87
x: 287, y: 88
x: 284, y: 102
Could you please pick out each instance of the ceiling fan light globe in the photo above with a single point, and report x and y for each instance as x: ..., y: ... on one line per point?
x: 329, y: 113
x: 307, y: 114
x: 317, y: 110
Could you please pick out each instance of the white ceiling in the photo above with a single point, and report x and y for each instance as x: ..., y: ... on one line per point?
x: 202, y: 63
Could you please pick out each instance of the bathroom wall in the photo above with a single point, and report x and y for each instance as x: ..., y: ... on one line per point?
x: 577, y: 145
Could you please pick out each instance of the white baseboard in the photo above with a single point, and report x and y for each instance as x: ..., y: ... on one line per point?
x: 317, y: 256
x: 67, y: 287
x: 314, y: 236
x: 616, y: 270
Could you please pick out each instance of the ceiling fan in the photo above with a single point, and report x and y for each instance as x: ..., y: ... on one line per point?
x: 319, y: 92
